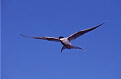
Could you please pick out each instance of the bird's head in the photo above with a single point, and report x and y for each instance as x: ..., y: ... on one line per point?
x: 60, y: 37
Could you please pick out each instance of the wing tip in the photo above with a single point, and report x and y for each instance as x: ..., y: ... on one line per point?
x: 105, y: 21
x: 102, y: 23
x: 24, y: 36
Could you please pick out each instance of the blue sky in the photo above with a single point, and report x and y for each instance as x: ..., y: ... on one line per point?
x: 0, y: 38
x: 24, y: 58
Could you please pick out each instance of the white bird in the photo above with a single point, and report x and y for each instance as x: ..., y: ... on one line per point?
x: 66, y: 40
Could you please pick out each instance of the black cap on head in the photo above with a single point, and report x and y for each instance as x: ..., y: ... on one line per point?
x: 61, y: 37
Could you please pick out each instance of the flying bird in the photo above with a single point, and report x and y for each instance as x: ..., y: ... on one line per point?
x: 65, y: 41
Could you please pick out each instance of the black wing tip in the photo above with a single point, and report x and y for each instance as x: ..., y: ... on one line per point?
x: 102, y: 23
x: 21, y: 34
x: 24, y: 36
x: 105, y: 21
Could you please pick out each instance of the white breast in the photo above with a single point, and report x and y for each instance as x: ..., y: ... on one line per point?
x: 65, y: 41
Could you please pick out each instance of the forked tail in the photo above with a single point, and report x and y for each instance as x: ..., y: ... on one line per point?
x: 71, y: 47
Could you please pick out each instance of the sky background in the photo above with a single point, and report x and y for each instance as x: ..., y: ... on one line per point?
x: 0, y: 38
x: 24, y: 58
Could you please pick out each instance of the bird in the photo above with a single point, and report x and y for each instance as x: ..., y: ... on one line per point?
x: 66, y: 41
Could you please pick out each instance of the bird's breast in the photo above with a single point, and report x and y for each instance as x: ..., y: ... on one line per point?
x: 65, y: 41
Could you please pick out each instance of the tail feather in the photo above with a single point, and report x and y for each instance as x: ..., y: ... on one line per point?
x: 71, y: 47
x: 75, y: 47
x: 64, y: 47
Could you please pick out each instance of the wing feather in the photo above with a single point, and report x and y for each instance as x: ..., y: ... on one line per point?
x: 79, y: 33
x: 43, y: 38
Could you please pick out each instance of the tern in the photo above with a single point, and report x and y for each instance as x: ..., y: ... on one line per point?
x: 65, y: 41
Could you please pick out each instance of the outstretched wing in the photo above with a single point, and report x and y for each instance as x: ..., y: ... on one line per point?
x: 43, y: 38
x: 77, y: 34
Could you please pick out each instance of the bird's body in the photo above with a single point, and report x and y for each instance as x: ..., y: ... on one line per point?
x: 66, y: 40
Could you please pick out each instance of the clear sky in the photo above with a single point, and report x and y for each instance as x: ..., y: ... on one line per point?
x: 0, y: 38
x: 26, y: 58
